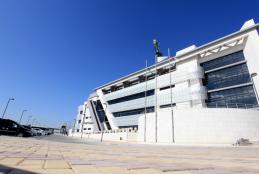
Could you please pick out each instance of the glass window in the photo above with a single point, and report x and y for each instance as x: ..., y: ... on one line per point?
x: 133, y: 112
x: 231, y: 76
x: 222, y: 61
x: 131, y: 97
x: 232, y: 97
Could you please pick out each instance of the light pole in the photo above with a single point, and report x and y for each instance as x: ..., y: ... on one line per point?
x: 158, y: 54
x: 29, y: 119
x: 104, y: 121
x: 252, y: 78
x: 10, y: 99
x: 22, y: 115
x: 33, y: 122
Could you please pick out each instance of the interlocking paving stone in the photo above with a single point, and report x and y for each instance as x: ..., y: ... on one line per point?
x: 45, y: 156
x: 56, y: 164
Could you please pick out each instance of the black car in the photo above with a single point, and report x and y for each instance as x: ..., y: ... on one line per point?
x: 10, y: 127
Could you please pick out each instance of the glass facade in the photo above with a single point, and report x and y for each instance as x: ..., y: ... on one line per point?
x: 235, y: 97
x: 133, y: 112
x: 131, y: 97
x: 223, y: 61
x: 231, y: 76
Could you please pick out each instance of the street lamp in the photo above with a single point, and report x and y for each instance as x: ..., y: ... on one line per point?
x: 33, y: 122
x: 29, y: 119
x: 22, y: 115
x: 252, y: 78
x: 10, y: 99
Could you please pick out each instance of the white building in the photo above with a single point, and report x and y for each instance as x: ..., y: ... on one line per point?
x: 83, y: 120
x: 205, y: 94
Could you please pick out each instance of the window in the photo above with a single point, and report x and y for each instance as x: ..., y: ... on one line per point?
x: 79, y: 121
x: 89, y: 129
x: 227, y: 77
x: 167, y: 87
x: 77, y: 130
x: 241, y: 95
x: 131, y: 97
x: 133, y: 112
x: 81, y: 112
x: 222, y: 61
x: 140, y: 79
x: 167, y: 105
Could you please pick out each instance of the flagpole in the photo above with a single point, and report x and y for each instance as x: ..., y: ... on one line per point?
x: 171, y: 92
x: 145, y: 127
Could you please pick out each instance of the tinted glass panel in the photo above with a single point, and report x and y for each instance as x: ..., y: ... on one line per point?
x: 241, y: 95
x: 133, y: 112
x: 227, y: 77
x: 131, y: 97
x: 222, y: 61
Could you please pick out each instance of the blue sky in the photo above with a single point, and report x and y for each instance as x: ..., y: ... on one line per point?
x: 53, y: 53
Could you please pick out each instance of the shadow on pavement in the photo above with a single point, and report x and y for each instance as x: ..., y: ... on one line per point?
x: 12, y: 170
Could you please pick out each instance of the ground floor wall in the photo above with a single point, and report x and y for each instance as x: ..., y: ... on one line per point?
x: 196, y: 126
x: 124, y: 136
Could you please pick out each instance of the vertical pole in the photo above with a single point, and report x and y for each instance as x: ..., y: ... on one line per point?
x: 28, y: 119
x: 145, y: 124
x: 156, y: 99
x: 171, y: 99
x: 22, y: 116
x: 256, y: 94
x: 7, y: 106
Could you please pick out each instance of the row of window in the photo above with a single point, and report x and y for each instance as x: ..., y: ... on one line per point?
x: 240, y: 95
x: 167, y: 105
x: 140, y: 110
x: 131, y: 97
x: 223, y: 61
x: 87, y: 128
x: 141, y: 79
x: 227, y: 77
x: 133, y: 112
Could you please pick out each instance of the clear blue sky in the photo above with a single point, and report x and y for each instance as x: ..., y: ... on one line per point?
x: 54, y: 52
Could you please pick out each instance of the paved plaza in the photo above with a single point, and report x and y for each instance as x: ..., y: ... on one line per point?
x: 61, y: 155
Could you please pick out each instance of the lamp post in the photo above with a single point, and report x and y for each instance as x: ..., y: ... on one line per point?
x: 10, y: 99
x: 252, y: 78
x: 33, y: 122
x: 104, y: 122
x: 22, y: 115
x: 29, y: 119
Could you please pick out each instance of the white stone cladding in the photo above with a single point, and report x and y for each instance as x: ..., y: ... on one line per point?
x: 188, y: 95
x: 84, y: 119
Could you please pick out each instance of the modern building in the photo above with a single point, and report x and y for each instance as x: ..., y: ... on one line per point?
x: 83, y: 121
x: 199, y: 83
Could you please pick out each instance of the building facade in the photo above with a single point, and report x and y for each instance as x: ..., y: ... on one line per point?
x: 219, y: 74
x: 83, y: 122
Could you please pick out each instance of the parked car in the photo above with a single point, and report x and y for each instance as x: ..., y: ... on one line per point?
x: 10, y: 127
x: 37, y: 132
